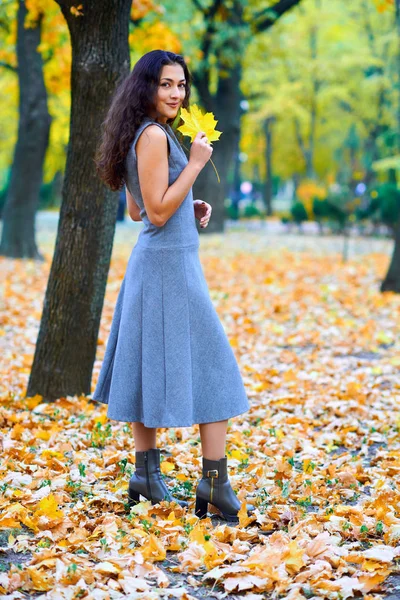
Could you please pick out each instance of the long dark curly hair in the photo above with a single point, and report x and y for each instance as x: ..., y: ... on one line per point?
x: 131, y: 103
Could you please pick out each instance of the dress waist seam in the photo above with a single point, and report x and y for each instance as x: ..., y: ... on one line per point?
x: 172, y: 247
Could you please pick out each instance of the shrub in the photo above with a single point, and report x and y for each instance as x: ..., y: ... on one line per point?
x: 321, y: 209
x: 251, y: 211
x: 389, y: 203
x: 231, y: 212
x: 299, y: 213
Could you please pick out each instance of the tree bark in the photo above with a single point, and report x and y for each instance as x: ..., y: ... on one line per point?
x: 67, y: 341
x: 267, y: 126
x: 391, y: 283
x: 374, y: 126
x: 18, y: 233
x: 226, y: 105
x: 307, y: 142
x: 397, y: 17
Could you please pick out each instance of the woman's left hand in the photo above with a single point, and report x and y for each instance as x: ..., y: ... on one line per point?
x: 202, y: 212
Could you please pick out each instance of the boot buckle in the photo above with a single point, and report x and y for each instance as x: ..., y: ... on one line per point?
x: 213, y: 473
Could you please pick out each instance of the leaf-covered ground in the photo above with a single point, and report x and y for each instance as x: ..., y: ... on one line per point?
x: 318, y: 453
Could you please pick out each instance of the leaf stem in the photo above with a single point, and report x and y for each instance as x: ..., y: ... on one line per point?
x: 215, y: 169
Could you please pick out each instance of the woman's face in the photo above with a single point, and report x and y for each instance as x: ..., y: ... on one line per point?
x: 170, y: 94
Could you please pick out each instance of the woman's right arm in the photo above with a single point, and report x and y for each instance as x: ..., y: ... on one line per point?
x: 161, y: 200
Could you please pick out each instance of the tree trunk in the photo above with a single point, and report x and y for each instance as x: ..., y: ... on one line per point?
x: 316, y: 85
x: 18, y: 234
x: 236, y: 183
x: 267, y: 125
x: 391, y: 283
x: 397, y: 18
x: 225, y: 103
x: 66, y: 345
x: 226, y: 107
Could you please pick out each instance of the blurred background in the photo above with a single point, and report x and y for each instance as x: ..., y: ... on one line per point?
x: 319, y: 110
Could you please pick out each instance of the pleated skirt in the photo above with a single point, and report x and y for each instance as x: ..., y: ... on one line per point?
x: 168, y: 361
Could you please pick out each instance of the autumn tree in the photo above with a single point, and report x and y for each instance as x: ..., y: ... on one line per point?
x: 391, y: 281
x: 43, y: 95
x: 67, y: 340
x: 228, y: 28
x: 328, y: 89
x: 18, y: 233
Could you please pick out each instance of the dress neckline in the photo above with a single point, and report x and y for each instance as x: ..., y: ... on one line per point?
x: 170, y: 131
x: 164, y: 125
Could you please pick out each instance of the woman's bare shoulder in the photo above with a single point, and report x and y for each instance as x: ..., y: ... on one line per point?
x: 153, y: 134
x: 152, y: 145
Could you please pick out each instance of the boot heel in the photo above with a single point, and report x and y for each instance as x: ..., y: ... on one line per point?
x: 201, y: 507
x: 230, y: 518
x: 133, y: 497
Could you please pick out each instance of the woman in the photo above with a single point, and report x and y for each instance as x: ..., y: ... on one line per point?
x: 168, y: 362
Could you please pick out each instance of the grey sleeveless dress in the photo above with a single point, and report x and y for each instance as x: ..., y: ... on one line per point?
x: 168, y: 361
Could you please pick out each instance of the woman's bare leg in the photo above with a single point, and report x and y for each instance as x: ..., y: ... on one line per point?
x: 145, y: 437
x: 213, y: 439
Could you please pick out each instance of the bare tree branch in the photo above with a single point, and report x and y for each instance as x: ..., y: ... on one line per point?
x: 267, y: 17
x: 8, y: 66
x: 136, y: 22
x: 199, y: 6
x: 4, y: 26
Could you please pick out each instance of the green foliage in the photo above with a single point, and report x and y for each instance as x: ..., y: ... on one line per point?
x: 369, y: 210
x: 324, y: 73
x: 100, y: 435
x: 389, y: 203
x: 379, y: 527
x: 299, y: 213
x: 231, y: 212
x: 321, y: 209
x: 383, y: 205
x: 3, y: 195
x: 251, y: 211
x: 340, y: 205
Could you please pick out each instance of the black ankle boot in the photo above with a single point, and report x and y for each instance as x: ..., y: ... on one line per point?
x: 214, y: 488
x: 148, y: 481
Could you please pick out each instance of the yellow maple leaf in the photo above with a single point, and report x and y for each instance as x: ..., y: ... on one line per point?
x: 43, y: 434
x: 41, y: 582
x: 48, y: 506
x: 166, y: 467
x: 101, y: 419
x: 239, y: 455
x: 198, y: 533
x: 295, y: 559
x: 153, y: 549
x: 244, y: 518
x: 33, y: 401
x: 201, y: 536
x: 7, y: 522
x: 195, y: 121
x: 48, y: 453
x: 18, y: 513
